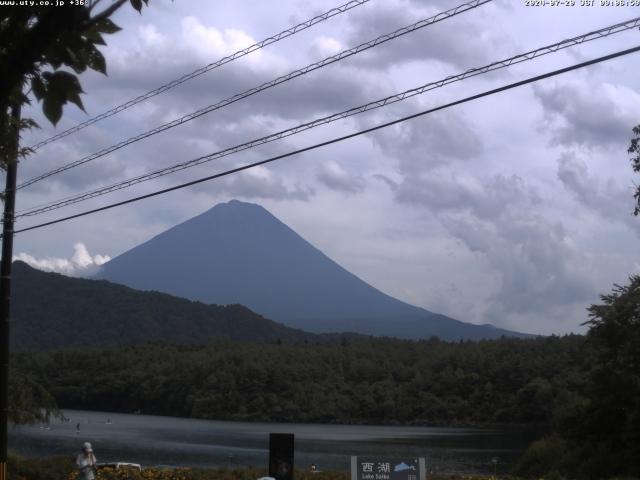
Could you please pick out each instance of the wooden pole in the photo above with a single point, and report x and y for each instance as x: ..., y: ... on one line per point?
x: 5, y: 283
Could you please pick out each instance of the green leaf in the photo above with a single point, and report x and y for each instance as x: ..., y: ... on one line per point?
x: 93, y: 36
x: 97, y: 62
x: 75, y: 99
x: 137, y: 4
x: 107, y: 26
x: 76, y: 60
x: 62, y: 87
x: 28, y: 124
x: 52, y: 109
x: 65, y: 81
x: 66, y: 87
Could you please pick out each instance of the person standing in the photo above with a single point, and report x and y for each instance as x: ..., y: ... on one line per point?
x: 86, y: 462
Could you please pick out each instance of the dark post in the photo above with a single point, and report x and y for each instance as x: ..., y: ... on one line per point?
x: 281, y: 456
x: 5, y: 284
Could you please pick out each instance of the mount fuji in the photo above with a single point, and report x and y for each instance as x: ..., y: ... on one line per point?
x: 239, y: 253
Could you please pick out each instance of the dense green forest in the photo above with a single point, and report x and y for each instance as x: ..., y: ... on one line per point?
x: 375, y: 381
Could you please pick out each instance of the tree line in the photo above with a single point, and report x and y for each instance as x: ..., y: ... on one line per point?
x: 381, y: 381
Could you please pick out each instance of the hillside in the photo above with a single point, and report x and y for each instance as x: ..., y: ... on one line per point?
x: 52, y: 311
x: 239, y: 253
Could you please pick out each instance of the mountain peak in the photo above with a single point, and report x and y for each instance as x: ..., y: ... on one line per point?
x: 238, y: 252
x: 237, y: 204
x: 234, y: 209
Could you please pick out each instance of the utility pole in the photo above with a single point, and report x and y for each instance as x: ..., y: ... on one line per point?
x: 5, y: 280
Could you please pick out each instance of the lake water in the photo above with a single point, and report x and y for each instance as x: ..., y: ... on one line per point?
x: 153, y: 440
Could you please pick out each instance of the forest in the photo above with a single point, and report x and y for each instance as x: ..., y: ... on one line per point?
x: 379, y: 381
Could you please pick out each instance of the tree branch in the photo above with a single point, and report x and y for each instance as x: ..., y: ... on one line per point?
x: 106, y: 13
x: 93, y: 4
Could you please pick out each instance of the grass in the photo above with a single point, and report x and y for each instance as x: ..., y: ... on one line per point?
x: 63, y: 468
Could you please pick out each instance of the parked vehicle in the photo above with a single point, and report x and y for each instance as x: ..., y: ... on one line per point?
x: 120, y: 466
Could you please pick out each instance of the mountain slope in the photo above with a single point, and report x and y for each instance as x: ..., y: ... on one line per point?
x: 52, y: 311
x: 239, y: 253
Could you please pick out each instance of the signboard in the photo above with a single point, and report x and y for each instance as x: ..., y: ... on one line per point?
x: 387, y: 468
x: 281, y: 456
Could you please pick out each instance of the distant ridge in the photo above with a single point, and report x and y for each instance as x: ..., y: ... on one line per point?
x: 51, y: 311
x: 239, y: 253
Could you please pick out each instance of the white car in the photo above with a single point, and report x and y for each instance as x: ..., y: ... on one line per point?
x: 120, y: 466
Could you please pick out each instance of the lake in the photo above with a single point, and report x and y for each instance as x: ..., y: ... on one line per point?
x: 153, y: 440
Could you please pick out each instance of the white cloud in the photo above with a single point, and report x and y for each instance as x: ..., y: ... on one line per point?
x: 332, y: 175
x: 81, y: 263
x: 151, y: 37
x: 209, y: 42
x: 325, y: 46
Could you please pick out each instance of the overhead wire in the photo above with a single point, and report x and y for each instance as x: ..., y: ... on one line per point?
x: 340, y: 139
x: 252, y: 91
x: 207, y: 68
x: 530, y: 55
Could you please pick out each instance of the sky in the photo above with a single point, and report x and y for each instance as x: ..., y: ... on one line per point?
x: 515, y: 209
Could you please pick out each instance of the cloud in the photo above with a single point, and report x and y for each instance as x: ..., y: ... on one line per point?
x: 334, y: 87
x: 575, y: 115
x: 133, y: 68
x: 79, y: 265
x: 332, y: 175
x: 260, y: 183
x: 458, y: 41
x: 210, y: 42
x: 539, y: 267
x: 427, y: 142
x: 442, y: 190
x: 324, y: 46
x: 604, y: 197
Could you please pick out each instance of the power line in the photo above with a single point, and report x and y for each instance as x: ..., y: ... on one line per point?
x: 601, y: 33
x: 291, y: 75
x: 340, y: 139
x: 234, y: 56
